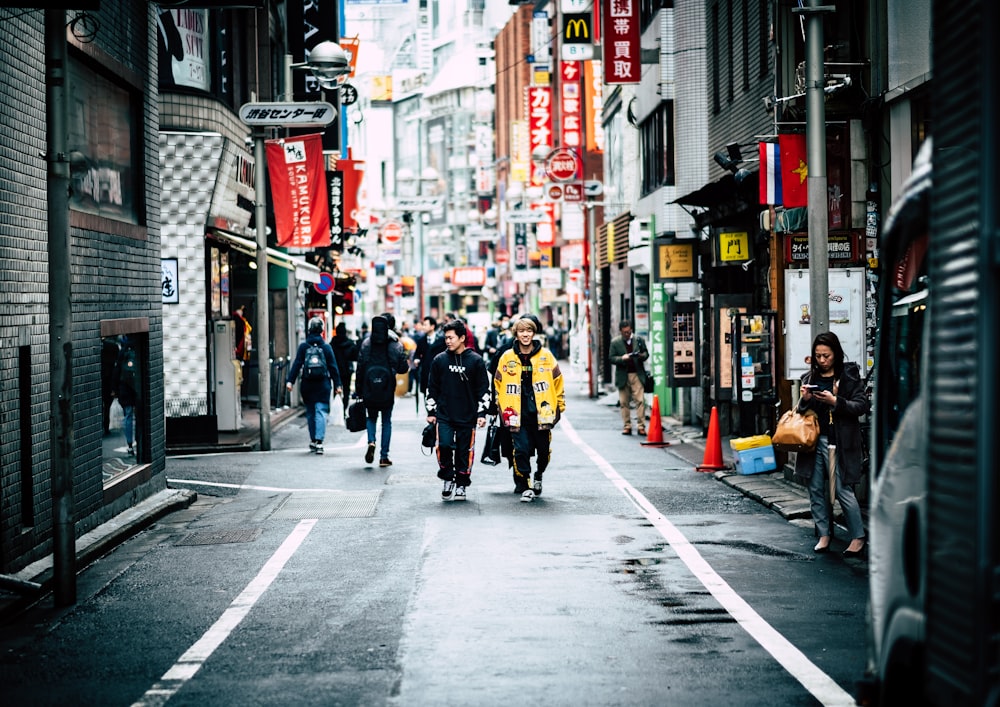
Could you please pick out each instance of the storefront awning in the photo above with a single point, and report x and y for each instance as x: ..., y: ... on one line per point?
x: 721, y: 199
x: 307, y: 272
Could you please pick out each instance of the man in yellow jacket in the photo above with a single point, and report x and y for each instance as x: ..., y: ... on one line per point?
x: 529, y: 394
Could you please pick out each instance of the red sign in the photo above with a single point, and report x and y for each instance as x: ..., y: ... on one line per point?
x: 468, y: 277
x: 501, y: 257
x: 562, y: 165
x: 573, y: 191
x: 391, y: 231
x: 397, y: 290
x: 555, y: 192
x: 620, y: 27
x: 575, y: 274
x: 570, y: 104
x: 298, y: 189
x: 539, y: 111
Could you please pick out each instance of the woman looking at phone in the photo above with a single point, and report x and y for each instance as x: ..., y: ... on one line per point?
x: 833, y: 389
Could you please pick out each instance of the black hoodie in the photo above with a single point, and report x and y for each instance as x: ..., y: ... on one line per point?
x: 458, y: 390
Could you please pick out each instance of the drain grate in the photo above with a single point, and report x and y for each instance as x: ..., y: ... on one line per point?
x: 220, y: 537
x: 339, y: 504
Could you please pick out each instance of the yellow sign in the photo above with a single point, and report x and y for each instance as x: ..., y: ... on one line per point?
x: 674, y: 261
x: 576, y: 28
x: 734, y: 247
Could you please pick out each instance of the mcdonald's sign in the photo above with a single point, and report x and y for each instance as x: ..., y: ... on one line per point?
x: 577, y: 28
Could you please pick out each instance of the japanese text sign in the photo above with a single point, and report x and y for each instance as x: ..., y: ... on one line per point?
x: 622, y: 61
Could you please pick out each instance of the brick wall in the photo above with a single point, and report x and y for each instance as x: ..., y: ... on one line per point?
x: 115, y: 282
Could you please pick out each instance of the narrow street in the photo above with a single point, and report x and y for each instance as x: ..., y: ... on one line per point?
x: 320, y: 580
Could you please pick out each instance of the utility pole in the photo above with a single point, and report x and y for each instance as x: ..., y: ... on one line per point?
x: 60, y: 312
x: 263, y: 310
x: 819, y: 263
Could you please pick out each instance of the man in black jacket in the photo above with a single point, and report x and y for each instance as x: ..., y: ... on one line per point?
x: 457, y: 399
x: 317, y: 381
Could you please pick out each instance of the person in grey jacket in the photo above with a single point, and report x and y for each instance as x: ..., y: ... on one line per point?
x: 628, y: 354
x: 834, y: 390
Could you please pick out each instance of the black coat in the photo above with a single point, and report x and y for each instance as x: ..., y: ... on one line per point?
x: 852, y: 403
x: 316, y: 390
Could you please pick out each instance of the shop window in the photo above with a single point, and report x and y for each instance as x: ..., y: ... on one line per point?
x: 105, y: 158
x: 656, y: 144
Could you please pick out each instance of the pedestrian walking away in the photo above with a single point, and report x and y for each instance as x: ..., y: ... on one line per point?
x: 528, y: 386
x: 320, y: 377
x: 458, y: 395
x: 345, y: 350
x: 833, y: 389
x: 628, y: 354
x: 381, y: 357
x: 126, y: 385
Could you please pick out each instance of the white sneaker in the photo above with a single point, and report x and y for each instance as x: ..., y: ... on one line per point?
x: 448, y: 491
x: 460, y: 493
x: 528, y: 496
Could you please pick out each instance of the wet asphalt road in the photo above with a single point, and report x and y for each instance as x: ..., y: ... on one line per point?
x: 298, y: 579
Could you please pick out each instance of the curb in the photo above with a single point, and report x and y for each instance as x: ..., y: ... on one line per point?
x: 97, y: 543
x: 771, y: 490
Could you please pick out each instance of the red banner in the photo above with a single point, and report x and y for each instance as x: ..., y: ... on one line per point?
x: 354, y: 172
x: 298, y: 190
x: 794, y: 171
x: 539, y: 110
x: 620, y: 39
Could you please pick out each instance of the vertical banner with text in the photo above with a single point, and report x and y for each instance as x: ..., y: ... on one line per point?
x: 539, y: 113
x: 298, y: 190
x: 620, y: 38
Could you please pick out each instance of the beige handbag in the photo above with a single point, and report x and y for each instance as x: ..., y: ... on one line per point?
x: 796, y: 431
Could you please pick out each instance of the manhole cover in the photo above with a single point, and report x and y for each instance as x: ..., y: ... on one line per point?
x: 219, y: 537
x: 339, y: 504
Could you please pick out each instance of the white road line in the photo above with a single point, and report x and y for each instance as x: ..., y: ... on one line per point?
x: 819, y: 684
x: 195, y: 656
x: 249, y: 487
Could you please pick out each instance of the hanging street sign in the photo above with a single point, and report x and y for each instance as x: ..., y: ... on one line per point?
x: 525, y: 216
x: 287, y: 114
x: 348, y: 95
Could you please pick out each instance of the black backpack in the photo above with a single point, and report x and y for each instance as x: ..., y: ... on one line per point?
x: 130, y: 369
x: 379, y: 386
x: 314, y: 367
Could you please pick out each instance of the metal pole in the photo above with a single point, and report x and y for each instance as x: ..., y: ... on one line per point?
x: 60, y: 313
x: 589, y: 253
x: 263, y: 310
x: 819, y: 275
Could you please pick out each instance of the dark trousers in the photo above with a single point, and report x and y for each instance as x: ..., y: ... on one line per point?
x: 456, y: 450
x: 529, y: 439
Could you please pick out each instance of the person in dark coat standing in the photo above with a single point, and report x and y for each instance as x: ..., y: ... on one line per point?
x: 428, y: 343
x: 317, y: 382
x: 457, y: 398
x: 833, y: 389
x: 345, y: 350
x: 126, y: 386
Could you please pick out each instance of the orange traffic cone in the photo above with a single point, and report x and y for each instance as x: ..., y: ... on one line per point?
x: 713, y: 448
x: 654, y: 438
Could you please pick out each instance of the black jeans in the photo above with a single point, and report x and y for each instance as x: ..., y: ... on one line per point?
x: 456, y: 450
x: 529, y: 439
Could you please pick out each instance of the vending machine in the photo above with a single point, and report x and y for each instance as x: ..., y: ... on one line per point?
x: 226, y: 376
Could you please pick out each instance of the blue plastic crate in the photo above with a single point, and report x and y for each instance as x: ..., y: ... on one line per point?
x: 756, y: 460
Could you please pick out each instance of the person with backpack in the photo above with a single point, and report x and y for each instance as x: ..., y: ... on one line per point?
x: 320, y: 376
x: 126, y: 385
x: 381, y: 357
x: 458, y: 395
x: 345, y: 350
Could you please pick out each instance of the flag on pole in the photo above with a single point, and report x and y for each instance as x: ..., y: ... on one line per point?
x: 770, y: 173
x: 794, y: 170
x: 298, y: 191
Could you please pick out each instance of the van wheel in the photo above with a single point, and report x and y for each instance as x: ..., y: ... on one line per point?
x: 905, y: 675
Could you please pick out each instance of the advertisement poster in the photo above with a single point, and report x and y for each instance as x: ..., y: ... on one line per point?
x: 847, y: 317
